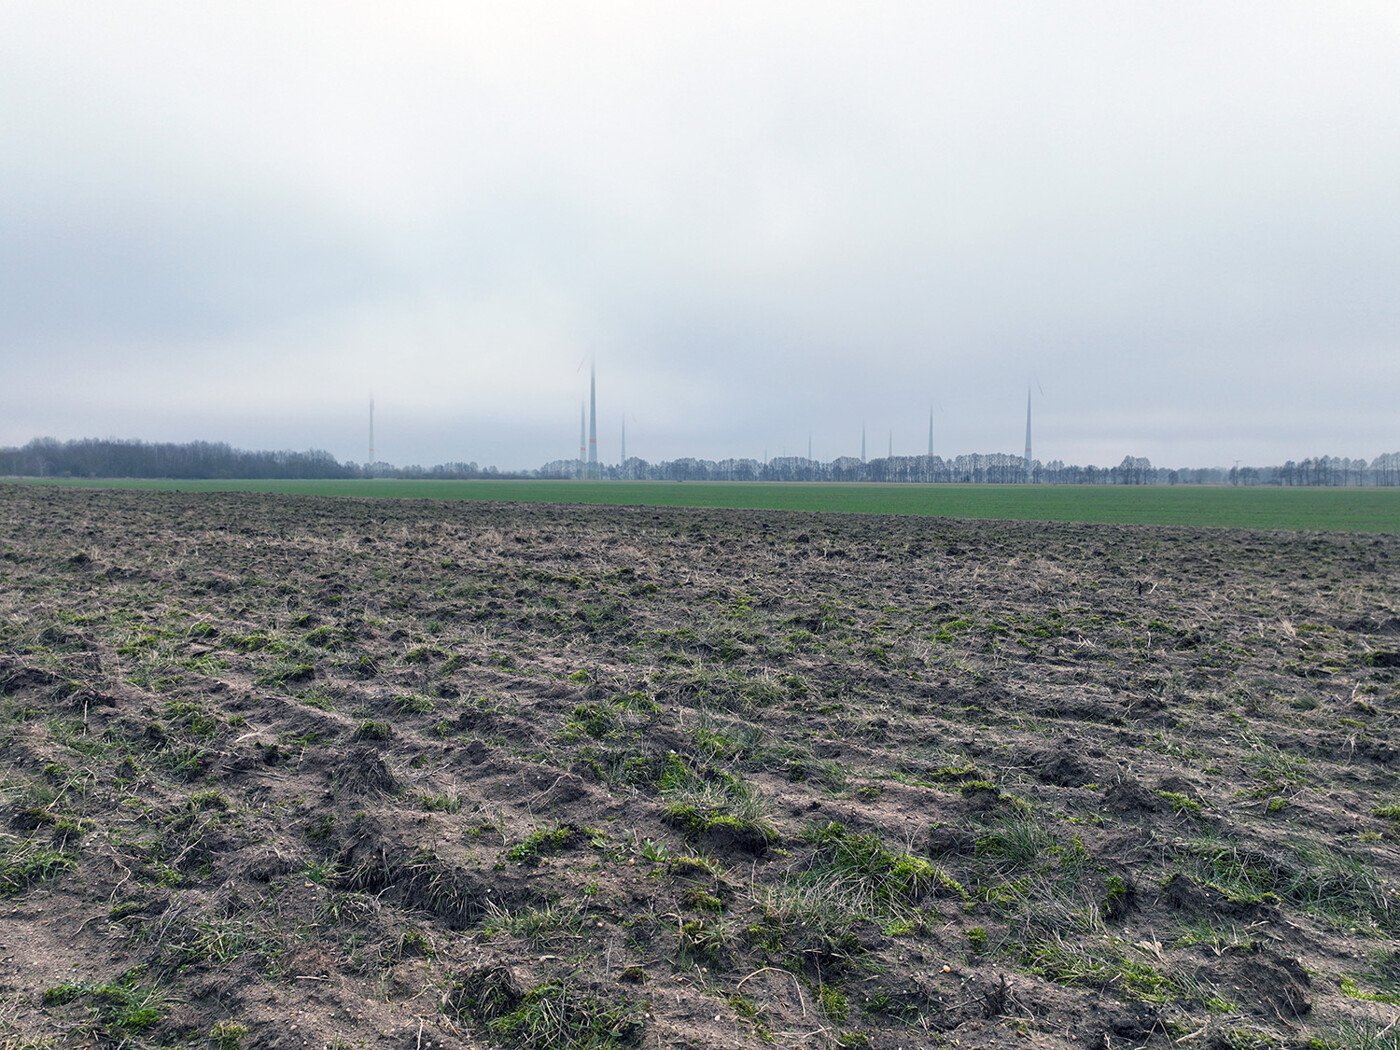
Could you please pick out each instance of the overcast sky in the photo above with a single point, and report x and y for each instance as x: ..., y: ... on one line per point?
x: 1179, y: 222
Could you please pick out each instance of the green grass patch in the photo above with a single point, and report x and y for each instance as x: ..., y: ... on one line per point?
x: 546, y: 842
x: 123, y: 1006
x: 1099, y: 967
x: 1329, y: 884
x: 878, y: 882
x: 715, y: 804
x: 22, y: 864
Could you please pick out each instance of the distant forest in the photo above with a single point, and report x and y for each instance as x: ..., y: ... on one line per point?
x: 90, y: 458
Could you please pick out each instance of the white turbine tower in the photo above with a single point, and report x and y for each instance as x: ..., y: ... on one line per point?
x: 592, y: 422
x: 1028, y: 432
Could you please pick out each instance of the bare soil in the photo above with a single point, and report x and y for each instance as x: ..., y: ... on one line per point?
x: 299, y: 772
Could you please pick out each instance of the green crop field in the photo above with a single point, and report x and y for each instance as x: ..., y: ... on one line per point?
x: 1325, y: 509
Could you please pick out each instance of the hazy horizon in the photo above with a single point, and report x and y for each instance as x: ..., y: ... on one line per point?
x: 238, y: 222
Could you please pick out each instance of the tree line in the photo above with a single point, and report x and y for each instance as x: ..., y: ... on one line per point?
x: 89, y: 458
x: 92, y: 458
x: 995, y: 468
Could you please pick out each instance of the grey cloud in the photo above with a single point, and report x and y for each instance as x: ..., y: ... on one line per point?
x: 1179, y: 221
x: 161, y: 269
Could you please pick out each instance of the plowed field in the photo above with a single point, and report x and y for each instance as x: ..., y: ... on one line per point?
x: 291, y: 772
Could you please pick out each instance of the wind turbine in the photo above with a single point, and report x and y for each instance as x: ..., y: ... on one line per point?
x: 1029, y: 460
